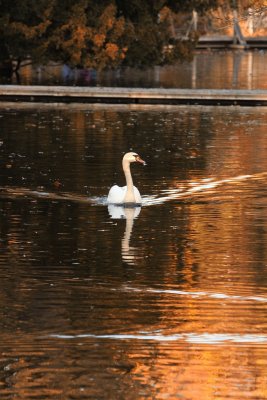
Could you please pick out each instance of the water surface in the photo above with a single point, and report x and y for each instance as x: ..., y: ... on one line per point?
x: 165, y: 301
x: 208, y: 70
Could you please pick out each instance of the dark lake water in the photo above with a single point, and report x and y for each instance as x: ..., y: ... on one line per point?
x: 163, y: 302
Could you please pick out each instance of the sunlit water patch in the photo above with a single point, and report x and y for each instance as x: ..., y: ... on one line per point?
x: 204, y: 186
x: 220, y: 296
x: 167, y: 300
x: 205, y: 338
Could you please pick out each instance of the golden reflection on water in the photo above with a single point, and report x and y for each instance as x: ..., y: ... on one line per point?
x: 230, y: 343
x: 164, y: 302
x: 221, y: 69
x: 201, y: 373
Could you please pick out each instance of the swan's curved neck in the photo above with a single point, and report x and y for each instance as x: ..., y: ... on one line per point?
x: 129, y: 196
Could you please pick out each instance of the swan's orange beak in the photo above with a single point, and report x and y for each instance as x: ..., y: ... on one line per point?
x: 139, y: 159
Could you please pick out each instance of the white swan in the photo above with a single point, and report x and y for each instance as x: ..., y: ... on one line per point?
x: 129, y: 194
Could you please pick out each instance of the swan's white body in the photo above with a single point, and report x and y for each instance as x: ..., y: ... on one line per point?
x: 117, y: 195
x: 128, y: 194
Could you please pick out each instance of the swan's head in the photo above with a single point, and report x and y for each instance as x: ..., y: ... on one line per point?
x: 133, y: 157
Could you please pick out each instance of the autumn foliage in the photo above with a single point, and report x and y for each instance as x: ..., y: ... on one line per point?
x: 86, y: 33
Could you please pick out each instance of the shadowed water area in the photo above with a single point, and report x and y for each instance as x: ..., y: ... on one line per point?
x: 165, y: 301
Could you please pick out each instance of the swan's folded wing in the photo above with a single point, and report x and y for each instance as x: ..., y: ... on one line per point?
x: 116, y: 195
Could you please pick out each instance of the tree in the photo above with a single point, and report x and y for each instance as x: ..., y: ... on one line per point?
x: 189, y: 5
x: 88, y: 35
x: 23, y: 28
x: 85, y: 33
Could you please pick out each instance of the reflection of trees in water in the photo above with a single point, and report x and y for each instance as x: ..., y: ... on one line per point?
x: 209, y: 70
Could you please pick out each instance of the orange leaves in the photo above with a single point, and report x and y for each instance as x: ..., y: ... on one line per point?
x: 80, y: 34
x: 29, y: 32
x: 92, y: 37
x: 99, y: 39
x: 112, y: 51
x: 108, y: 38
x: 108, y: 18
x: 110, y: 23
x: 109, y: 28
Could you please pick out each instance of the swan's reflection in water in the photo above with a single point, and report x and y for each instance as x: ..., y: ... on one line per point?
x: 129, y: 254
